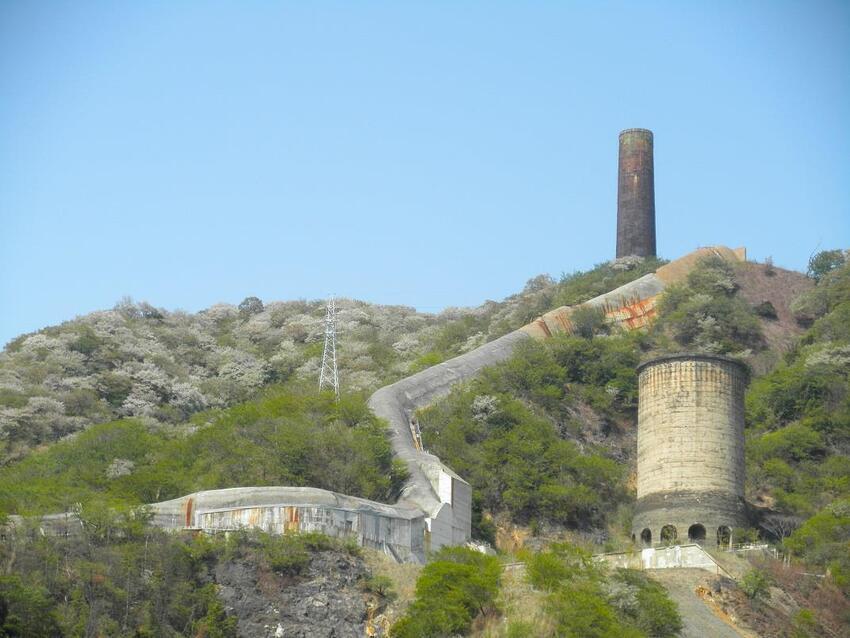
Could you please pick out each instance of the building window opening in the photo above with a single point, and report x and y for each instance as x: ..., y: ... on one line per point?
x: 669, y: 534
x: 724, y: 536
x: 696, y: 533
x: 646, y: 536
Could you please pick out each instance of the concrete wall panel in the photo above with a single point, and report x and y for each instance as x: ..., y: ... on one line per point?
x: 687, y: 556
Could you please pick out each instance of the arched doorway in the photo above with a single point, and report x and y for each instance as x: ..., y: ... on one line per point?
x: 633, y: 538
x: 669, y: 534
x: 696, y: 533
x: 646, y: 537
x: 724, y: 536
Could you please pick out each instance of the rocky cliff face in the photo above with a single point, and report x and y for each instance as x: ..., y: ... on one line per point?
x: 325, y: 600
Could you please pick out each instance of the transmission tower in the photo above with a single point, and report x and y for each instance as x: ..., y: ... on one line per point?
x: 328, y: 377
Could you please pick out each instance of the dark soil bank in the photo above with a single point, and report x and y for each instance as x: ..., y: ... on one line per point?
x: 325, y: 601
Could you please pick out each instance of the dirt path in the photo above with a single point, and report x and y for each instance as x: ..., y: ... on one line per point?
x: 700, y: 621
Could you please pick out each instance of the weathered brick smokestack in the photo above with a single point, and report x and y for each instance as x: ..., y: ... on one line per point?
x: 636, y: 195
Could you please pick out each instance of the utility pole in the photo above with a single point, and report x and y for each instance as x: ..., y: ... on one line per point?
x: 328, y: 377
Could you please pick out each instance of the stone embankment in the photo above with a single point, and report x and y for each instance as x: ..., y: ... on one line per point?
x: 325, y: 601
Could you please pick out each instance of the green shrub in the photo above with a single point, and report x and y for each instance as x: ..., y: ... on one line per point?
x: 381, y: 586
x: 86, y: 341
x: 654, y: 613
x: 458, y: 585
x: 584, y: 599
x: 520, y: 629
x: 704, y: 313
x: 503, y: 431
x: 755, y: 584
x: 26, y: 609
x: 588, y: 321
x: 215, y: 623
x: 578, y: 287
x: 791, y: 444
x: 285, y: 554
x: 582, y: 612
x: 143, y: 583
x: 825, y: 262
x: 547, y: 571
x: 765, y: 309
x: 285, y: 438
x: 798, y: 416
x: 805, y: 625
x: 824, y: 540
x: 426, y: 361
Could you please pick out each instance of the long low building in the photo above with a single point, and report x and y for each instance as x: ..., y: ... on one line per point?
x: 396, y: 530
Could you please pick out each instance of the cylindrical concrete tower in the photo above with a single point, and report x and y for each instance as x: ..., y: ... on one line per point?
x: 690, y: 457
x: 636, y: 195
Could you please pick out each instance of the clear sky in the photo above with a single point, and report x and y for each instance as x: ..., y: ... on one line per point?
x: 421, y: 153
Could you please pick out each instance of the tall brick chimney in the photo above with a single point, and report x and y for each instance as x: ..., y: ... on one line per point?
x: 636, y: 195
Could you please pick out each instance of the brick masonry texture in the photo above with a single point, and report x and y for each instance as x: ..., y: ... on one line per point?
x: 636, y: 194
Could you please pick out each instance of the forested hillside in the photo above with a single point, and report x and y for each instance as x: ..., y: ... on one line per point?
x: 798, y: 417
x: 546, y: 439
x: 145, y: 362
x: 139, y: 361
x: 287, y: 435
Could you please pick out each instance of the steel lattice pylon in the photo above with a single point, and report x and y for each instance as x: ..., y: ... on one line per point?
x: 329, y: 377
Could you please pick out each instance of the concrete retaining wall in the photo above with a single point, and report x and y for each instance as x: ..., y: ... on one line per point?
x: 444, y: 497
x: 681, y: 556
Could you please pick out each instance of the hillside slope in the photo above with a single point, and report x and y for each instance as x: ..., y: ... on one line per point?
x: 137, y: 360
x: 555, y: 390
x: 140, y: 361
x: 547, y: 437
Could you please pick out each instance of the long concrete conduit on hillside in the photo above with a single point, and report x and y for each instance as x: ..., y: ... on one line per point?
x: 435, y: 506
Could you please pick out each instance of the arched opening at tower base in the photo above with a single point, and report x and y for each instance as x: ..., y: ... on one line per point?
x: 669, y: 534
x: 696, y: 533
x: 724, y: 536
x: 646, y: 537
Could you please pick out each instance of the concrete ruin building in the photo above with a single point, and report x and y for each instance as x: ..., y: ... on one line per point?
x: 636, y: 194
x: 690, y: 450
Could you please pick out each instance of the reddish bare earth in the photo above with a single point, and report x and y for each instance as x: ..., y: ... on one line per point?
x: 760, y: 283
x: 715, y: 606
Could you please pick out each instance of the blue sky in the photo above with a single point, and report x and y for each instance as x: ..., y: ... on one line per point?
x: 428, y: 154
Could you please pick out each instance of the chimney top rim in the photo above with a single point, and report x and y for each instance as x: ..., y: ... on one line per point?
x: 635, y: 130
x: 694, y: 356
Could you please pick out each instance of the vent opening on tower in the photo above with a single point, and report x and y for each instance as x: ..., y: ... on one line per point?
x: 646, y: 537
x: 669, y: 534
x: 696, y: 533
